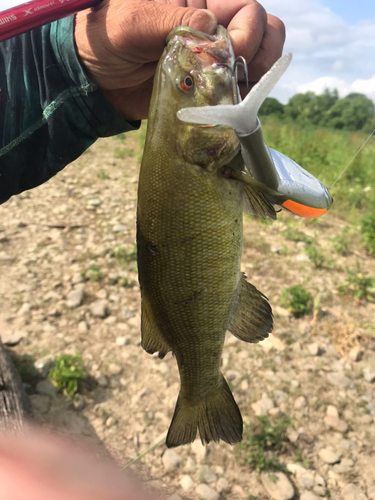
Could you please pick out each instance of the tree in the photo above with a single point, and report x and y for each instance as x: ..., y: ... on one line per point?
x: 353, y: 112
x: 272, y: 106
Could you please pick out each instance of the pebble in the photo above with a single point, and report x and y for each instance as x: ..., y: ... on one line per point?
x: 336, y: 423
x: 352, y: 492
x: 222, y: 486
x: 186, y: 483
x: 356, y: 354
x: 205, y: 492
x: 314, y: 349
x: 262, y: 406
x: 273, y: 342
x: 45, y: 387
x: 190, y: 464
x: 345, y: 465
x: 75, y: 298
x: 277, y: 485
x: 328, y: 456
x: 171, y: 460
x: 308, y: 495
x: 98, y: 309
x: 40, y: 404
x: 114, y: 369
x: 24, y: 309
x: 5, y: 257
x: 338, y: 379
x: 44, y: 364
x: 119, y: 228
x: 332, y: 411
x: 121, y: 341
x: 369, y: 374
x: 83, y: 327
x: 300, y: 403
x: 78, y: 402
x: 207, y: 475
x: 14, y: 338
x: 280, y: 396
x: 102, y: 380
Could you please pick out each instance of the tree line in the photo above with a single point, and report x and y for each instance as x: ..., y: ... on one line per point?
x: 353, y: 112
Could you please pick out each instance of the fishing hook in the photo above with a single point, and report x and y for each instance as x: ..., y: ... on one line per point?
x: 239, y: 61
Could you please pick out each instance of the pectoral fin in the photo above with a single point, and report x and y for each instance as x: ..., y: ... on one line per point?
x: 152, y: 339
x: 252, y: 318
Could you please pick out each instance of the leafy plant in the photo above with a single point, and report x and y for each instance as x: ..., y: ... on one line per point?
x: 359, y: 284
x: 93, y: 273
x: 341, y: 242
x: 125, y: 255
x: 295, y: 235
x: 67, y: 373
x: 368, y: 231
x: 296, y: 299
x: 103, y: 175
x: 315, y: 256
x: 261, y: 440
x: 123, y: 152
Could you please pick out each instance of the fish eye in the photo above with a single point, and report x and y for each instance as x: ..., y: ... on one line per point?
x: 186, y: 83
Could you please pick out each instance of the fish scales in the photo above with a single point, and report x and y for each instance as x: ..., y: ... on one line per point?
x: 189, y: 237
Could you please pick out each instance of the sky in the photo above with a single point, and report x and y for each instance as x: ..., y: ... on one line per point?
x: 332, y: 42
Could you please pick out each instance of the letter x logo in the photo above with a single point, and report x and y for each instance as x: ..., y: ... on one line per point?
x: 28, y: 11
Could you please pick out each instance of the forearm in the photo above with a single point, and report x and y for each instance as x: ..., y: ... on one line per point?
x: 50, y: 111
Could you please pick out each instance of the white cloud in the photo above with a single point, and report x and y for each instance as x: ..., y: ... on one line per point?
x: 328, y: 52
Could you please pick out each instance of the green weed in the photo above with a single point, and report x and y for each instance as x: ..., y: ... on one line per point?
x: 103, y: 175
x: 296, y: 299
x: 262, y: 440
x: 315, y: 256
x: 341, y: 242
x: 67, y: 373
x: 295, y: 235
x: 359, y: 284
x: 93, y: 273
x: 123, y: 152
x: 125, y: 255
x: 368, y: 232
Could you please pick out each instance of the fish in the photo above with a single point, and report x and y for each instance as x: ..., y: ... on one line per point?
x: 189, y: 236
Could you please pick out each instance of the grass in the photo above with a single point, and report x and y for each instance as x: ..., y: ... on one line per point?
x: 341, y: 242
x: 359, y: 284
x: 315, y: 256
x: 293, y: 234
x: 262, y: 440
x: 103, y: 175
x: 93, y: 273
x: 123, y: 152
x: 67, y: 373
x: 125, y: 255
x: 297, y: 300
x: 367, y: 225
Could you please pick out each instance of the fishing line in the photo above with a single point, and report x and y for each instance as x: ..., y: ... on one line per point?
x: 359, y: 150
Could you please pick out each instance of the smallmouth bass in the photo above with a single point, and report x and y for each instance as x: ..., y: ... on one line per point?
x: 189, y: 236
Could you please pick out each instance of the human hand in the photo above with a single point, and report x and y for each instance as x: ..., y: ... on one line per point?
x: 38, y: 466
x: 121, y: 41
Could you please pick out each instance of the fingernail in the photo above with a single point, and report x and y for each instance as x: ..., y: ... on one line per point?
x: 203, y: 20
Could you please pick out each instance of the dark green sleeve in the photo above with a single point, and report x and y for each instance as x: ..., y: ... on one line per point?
x: 50, y: 111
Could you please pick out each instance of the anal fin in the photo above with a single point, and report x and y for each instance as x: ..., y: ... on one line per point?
x: 252, y: 318
x: 152, y: 339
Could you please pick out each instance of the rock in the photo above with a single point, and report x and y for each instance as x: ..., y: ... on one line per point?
x: 295, y: 468
x: 171, y: 460
x: 332, y: 411
x: 273, y: 342
x: 45, y: 387
x: 369, y: 373
x: 279, y: 396
x: 205, y: 492
x: 336, y: 423
x: 308, y: 495
x: 277, y: 485
x: 40, y: 404
x: 306, y: 479
x: 300, y: 403
x: 98, y: 308
x: 356, y: 353
x: 102, y: 380
x: 78, y: 402
x: 345, y: 465
x: 328, y: 456
x: 244, y: 385
x: 110, y: 422
x: 186, y: 483
x: 5, y: 258
x: 262, y: 406
x: 75, y: 298
x: 83, y: 327
x: 314, y: 349
x: 338, y: 379
x: 222, y: 486
x: 95, y: 202
x: 371, y: 408
x: 78, y: 278
x: 119, y: 228
x: 24, y: 309
x: 44, y: 364
x: 207, y: 475
x: 114, y: 369
x: 121, y: 341
x: 352, y: 492
x: 199, y: 450
x: 14, y: 338
x: 162, y: 367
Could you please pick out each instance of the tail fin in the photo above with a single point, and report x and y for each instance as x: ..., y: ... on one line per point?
x: 217, y: 417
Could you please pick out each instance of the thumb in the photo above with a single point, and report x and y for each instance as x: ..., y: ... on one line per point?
x: 151, y: 22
